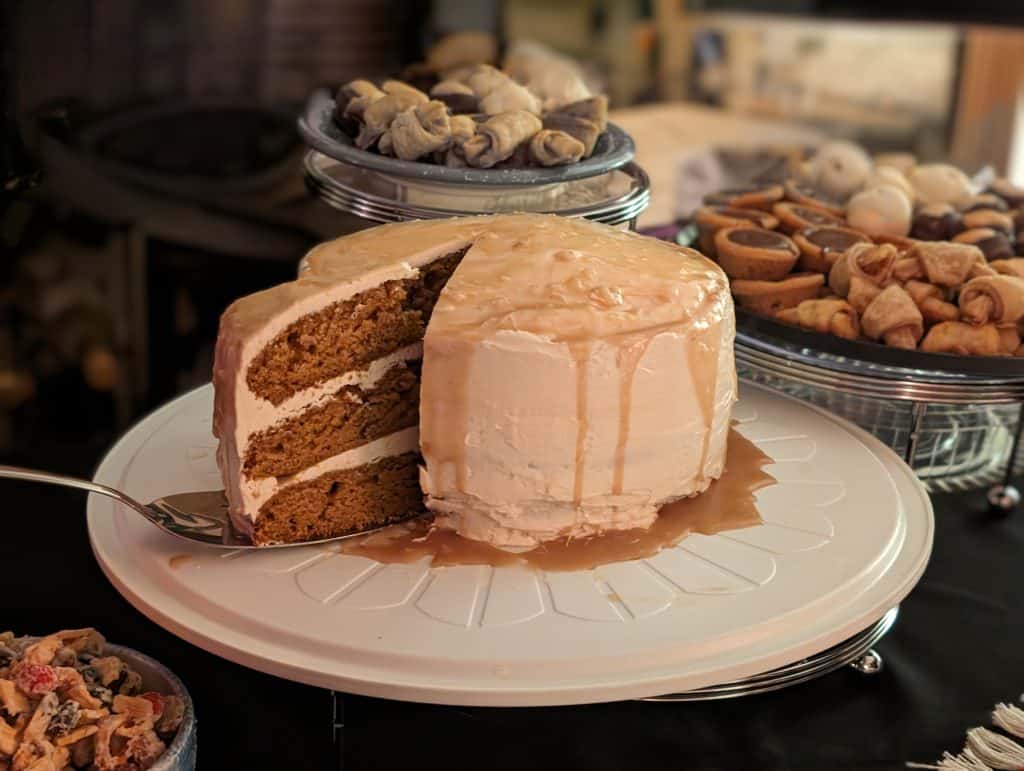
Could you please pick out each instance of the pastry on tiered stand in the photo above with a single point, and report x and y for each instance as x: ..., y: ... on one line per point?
x: 910, y: 255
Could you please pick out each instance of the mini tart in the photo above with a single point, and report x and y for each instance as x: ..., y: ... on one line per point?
x: 795, y: 216
x: 985, y: 201
x: 993, y: 244
x: 806, y: 195
x: 752, y: 253
x: 936, y: 222
x: 989, y: 218
x: 711, y: 219
x: 1012, y: 194
x: 749, y: 197
x: 770, y: 297
x: 820, y: 246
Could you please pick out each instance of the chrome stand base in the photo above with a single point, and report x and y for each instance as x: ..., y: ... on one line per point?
x: 1003, y: 498
x: 857, y: 653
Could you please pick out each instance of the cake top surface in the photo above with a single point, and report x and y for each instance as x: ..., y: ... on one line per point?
x: 565, y: 278
x: 569, y: 279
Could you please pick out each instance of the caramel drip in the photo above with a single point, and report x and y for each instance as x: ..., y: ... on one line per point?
x: 581, y: 354
x: 702, y: 361
x: 178, y: 560
x: 727, y: 504
x: 444, y: 420
x: 627, y: 358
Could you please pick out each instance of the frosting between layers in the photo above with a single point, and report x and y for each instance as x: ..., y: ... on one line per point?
x: 259, y: 491
x: 260, y: 414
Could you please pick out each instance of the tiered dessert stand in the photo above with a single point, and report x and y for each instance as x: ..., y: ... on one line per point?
x: 955, y: 419
x: 607, y: 187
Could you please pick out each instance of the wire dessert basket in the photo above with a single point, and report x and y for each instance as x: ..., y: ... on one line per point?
x: 956, y: 420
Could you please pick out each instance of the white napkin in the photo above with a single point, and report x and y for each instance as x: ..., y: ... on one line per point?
x: 988, y: 750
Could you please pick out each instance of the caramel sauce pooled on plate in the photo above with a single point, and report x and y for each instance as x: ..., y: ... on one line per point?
x: 178, y: 560
x: 728, y: 504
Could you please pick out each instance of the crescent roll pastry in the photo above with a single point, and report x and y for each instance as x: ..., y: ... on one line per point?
x: 1014, y: 266
x: 830, y: 315
x: 944, y: 263
x: 583, y: 129
x: 403, y: 91
x: 555, y: 148
x: 458, y: 96
x: 931, y: 300
x: 496, y: 92
x: 872, y: 262
x: 498, y: 137
x: 424, y: 129
x: 893, y: 317
x: 509, y: 96
x: 998, y: 298
x: 862, y: 293
x: 981, y: 268
x: 483, y: 79
x: 378, y: 115
x: 463, y: 128
x: 594, y: 109
x: 964, y: 339
x: 1009, y: 339
x: 356, y: 96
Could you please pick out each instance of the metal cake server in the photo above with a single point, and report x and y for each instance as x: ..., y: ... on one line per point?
x: 197, y: 517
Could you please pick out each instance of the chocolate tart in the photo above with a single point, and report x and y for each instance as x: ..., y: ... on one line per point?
x: 805, y: 195
x: 936, y: 222
x: 1012, y: 194
x: 750, y: 197
x: 993, y: 244
x: 770, y: 297
x: 820, y: 246
x: 985, y: 201
x: 752, y: 253
x: 989, y: 218
x: 711, y: 219
x: 795, y: 216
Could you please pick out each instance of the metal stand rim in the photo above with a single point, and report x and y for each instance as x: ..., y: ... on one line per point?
x: 380, y: 209
x: 836, y: 657
x: 820, y: 376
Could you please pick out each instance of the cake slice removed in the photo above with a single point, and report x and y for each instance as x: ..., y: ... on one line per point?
x: 317, y: 385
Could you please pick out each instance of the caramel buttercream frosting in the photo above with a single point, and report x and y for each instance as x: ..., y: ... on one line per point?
x: 575, y: 379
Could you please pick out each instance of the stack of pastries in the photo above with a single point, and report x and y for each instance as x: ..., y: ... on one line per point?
x: 884, y: 249
x: 475, y: 116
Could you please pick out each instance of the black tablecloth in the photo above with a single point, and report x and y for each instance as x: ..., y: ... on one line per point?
x: 957, y: 649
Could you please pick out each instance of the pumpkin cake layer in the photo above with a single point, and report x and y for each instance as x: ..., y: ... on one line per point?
x: 353, y: 416
x: 340, y: 502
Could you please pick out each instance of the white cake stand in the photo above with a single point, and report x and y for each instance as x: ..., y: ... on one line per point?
x: 847, y: 534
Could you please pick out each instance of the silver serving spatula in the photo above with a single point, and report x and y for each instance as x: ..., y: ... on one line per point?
x: 197, y: 517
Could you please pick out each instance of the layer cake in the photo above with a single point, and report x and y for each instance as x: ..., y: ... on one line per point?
x: 559, y: 377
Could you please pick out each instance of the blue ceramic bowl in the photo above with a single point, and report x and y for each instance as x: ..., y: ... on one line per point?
x: 181, y: 752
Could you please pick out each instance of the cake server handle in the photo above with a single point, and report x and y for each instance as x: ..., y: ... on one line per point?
x: 45, y: 477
